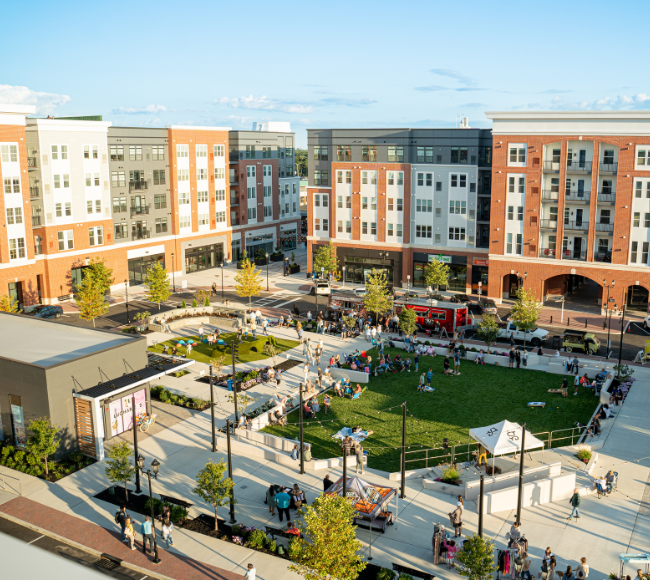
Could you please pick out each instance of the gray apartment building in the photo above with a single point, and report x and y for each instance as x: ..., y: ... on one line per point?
x: 397, y: 199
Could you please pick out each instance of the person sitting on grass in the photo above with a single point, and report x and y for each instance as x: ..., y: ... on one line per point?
x: 353, y: 366
x: 447, y: 366
x: 358, y: 429
x: 338, y: 388
x: 355, y: 394
x: 407, y: 365
x: 307, y: 411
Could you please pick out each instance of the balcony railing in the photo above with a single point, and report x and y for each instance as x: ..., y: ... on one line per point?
x: 548, y: 224
x: 34, y: 192
x: 577, y: 196
x: 36, y: 221
x: 31, y: 162
x: 137, y: 185
x: 234, y: 200
x: 142, y: 210
x: 606, y: 196
x: 604, y: 227
x: 603, y: 257
x: 483, y: 217
x: 576, y: 166
x: 547, y: 252
x: 576, y: 226
x: 549, y: 195
x: 234, y: 180
x: 574, y: 255
x: 140, y: 234
x: 608, y: 167
x: 234, y: 221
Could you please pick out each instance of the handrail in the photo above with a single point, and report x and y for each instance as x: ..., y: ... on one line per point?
x: 4, y: 485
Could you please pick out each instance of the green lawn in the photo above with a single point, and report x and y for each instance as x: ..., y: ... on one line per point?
x: 480, y: 396
x: 204, y: 352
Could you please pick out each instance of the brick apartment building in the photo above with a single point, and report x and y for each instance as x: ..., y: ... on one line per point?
x: 397, y: 199
x: 78, y: 188
x: 571, y: 204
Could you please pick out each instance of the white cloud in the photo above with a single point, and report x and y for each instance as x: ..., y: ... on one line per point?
x: 239, y: 120
x: 263, y: 103
x: 45, y: 102
x: 149, y: 123
x: 620, y: 102
x: 452, y: 74
x: 155, y: 109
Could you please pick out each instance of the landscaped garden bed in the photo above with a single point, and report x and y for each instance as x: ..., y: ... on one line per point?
x: 480, y: 396
x: 247, y: 379
x: 21, y: 460
x: 140, y: 503
x: 160, y: 393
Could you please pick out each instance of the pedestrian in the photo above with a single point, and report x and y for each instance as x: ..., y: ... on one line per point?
x: 309, y: 316
x: 189, y: 348
x: 129, y: 533
x: 429, y: 375
x: 254, y: 329
x: 270, y: 499
x: 305, y: 371
x: 518, y: 358
x: 367, y: 333
x: 524, y: 358
x: 258, y: 316
x: 147, y: 535
x: 456, y: 518
x: 327, y: 482
x: 416, y: 360
x: 327, y: 401
x: 343, y: 331
x: 305, y: 346
x: 167, y: 529
x: 564, y: 386
x: 359, y: 454
x: 568, y: 575
x: 250, y: 573
x: 120, y: 518
x: 576, y: 384
x: 583, y: 568
x: 512, y: 341
x: 265, y: 326
x: 282, y: 501
x: 511, y: 358
x: 457, y: 362
x: 525, y: 570
x: 200, y: 332
x: 214, y: 289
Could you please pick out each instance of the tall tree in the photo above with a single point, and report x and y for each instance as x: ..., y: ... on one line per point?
x: 212, y: 487
x: 102, y: 274
x: 488, y: 330
x: 8, y: 304
x: 91, y: 299
x: 328, y: 547
x: 119, y: 468
x: 377, y: 298
x: 157, y: 283
x: 301, y: 162
x: 141, y: 317
x: 407, y: 320
x: 44, y: 440
x: 525, y: 311
x: 477, y: 558
x: 326, y: 258
x: 436, y: 274
x: 248, y: 281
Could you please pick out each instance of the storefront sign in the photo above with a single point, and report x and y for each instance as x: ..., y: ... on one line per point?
x: 121, y: 412
x: 19, y: 425
x: 440, y: 258
x: 478, y: 262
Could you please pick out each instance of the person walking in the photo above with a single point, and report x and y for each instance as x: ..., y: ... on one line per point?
x: 270, y: 499
x: 524, y: 358
x: 327, y: 401
x: 576, y: 384
x: 250, y: 573
x: 147, y: 535
x: 258, y: 316
x: 305, y: 371
x: 200, y: 332
x: 282, y: 501
x: 359, y: 454
x: 575, y: 503
x: 129, y: 533
x: 305, y: 346
x: 327, y: 482
x: 213, y: 289
x: 456, y: 518
x: 120, y: 518
x: 167, y: 529
x: 265, y: 326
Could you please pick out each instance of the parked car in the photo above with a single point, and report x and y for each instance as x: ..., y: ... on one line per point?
x: 580, y: 340
x: 536, y: 336
x: 646, y: 322
x: 323, y: 288
x: 44, y: 311
x: 360, y: 291
x: 460, y: 299
x: 487, y: 306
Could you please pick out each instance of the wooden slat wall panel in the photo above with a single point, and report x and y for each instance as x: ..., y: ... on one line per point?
x: 85, y: 427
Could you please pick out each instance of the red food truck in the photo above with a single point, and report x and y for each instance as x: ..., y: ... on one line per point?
x: 344, y: 301
x: 434, y: 314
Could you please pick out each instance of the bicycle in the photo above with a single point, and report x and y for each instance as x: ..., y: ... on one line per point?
x: 144, y: 422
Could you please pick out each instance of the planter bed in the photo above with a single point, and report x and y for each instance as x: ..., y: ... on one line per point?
x: 277, y: 257
x: 18, y: 459
x: 157, y: 394
x: 221, y: 381
x: 136, y: 502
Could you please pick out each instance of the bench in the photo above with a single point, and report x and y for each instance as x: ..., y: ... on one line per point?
x: 412, y: 572
x: 280, y: 533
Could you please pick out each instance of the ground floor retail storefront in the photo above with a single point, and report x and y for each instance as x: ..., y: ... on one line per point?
x: 138, y: 267
x: 359, y: 263
x: 466, y: 274
x: 203, y: 258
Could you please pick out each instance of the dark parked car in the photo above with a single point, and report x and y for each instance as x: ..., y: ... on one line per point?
x: 46, y: 312
x: 460, y: 299
x: 487, y: 306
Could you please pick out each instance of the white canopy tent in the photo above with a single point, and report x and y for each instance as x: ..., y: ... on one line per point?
x: 503, y: 438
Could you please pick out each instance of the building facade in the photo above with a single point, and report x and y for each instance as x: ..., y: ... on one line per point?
x: 74, y: 189
x: 571, y: 202
x: 397, y: 199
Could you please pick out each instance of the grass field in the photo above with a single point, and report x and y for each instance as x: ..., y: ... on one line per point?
x: 203, y: 352
x: 480, y: 396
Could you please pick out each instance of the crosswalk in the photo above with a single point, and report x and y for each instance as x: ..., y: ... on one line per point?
x: 281, y: 298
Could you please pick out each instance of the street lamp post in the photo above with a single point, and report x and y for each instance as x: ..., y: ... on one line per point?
x: 214, y: 434
x: 608, y: 312
x: 620, y: 346
x: 267, y: 272
x: 155, y: 465
x: 286, y: 266
x: 173, y: 273
x: 343, y: 276
x: 222, y: 297
x: 126, y: 286
x: 135, y: 445
x: 480, y: 288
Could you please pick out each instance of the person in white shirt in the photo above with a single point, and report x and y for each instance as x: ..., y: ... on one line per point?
x: 258, y: 316
x: 309, y: 316
x: 250, y: 574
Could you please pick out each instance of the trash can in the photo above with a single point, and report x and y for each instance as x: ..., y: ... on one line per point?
x: 231, y: 384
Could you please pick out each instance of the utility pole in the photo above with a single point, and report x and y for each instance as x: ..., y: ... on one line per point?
x: 214, y: 434
x: 232, y: 499
x: 521, y: 472
x: 620, y: 346
x: 403, y: 494
x: 234, y: 353
x: 302, y: 435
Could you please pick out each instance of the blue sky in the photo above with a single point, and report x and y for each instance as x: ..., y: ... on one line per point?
x: 326, y: 64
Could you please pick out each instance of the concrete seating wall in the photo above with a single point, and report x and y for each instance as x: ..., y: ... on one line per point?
x: 207, y: 317
x: 280, y: 443
x: 592, y: 368
x: 354, y: 376
x: 472, y: 488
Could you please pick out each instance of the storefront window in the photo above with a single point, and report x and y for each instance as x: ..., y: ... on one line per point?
x: 357, y: 269
x: 236, y: 250
x: 18, y: 420
x: 203, y: 258
x: 255, y: 244
x: 289, y: 239
x: 457, y: 278
x: 138, y: 267
x: 121, y: 411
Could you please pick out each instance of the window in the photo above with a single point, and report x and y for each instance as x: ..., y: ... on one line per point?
x: 459, y: 154
x: 395, y: 153
x: 96, y: 236
x: 369, y: 153
x: 638, y: 191
x: 519, y: 243
x: 86, y: 151
x: 343, y: 153
x: 14, y: 215
x: 364, y: 227
x: 220, y: 195
x: 317, y: 224
x: 182, y: 151
x: 373, y: 203
x: 183, y: 175
x: 202, y: 174
x: 184, y: 198
x: 135, y: 152
x: 202, y: 196
x: 398, y: 229
x: 424, y: 205
x: 389, y: 230
x: 95, y: 152
x: 454, y: 180
x: 339, y: 201
x: 58, y: 210
x: 66, y: 240
x: 339, y: 226
x: 646, y: 220
x: 348, y: 177
x: 252, y: 213
x: 508, y: 243
x: 10, y: 153
x: 88, y: 179
x: 316, y: 200
x: 268, y: 191
x: 348, y: 227
x: 400, y: 178
x: 68, y: 209
x: 373, y: 229
x: 425, y: 155
x: 158, y: 153
x: 118, y: 178
x: 458, y: 207
x: 220, y: 173
x: 438, y: 185
x: 604, y: 216
x: 399, y: 204
x: 457, y: 234
x: 520, y: 213
x: 55, y: 152
x: 121, y: 231
x: 390, y: 204
x: 321, y: 177
x: 644, y: 253
x: 64, y: 151
x: 325, y: 200
x: 250, y: 152
x: 159, y: 177
x: 423, y: 231
x: 17, y: 249
x: 89, y: 206
x: 636, y: 220
x: 266, y: 170
x: 511, y: 212
x: 429, y: 179
x: 57, y: 182
x: 204, y: 219
x: 325, y: 225
x: 373, y: 177
x: 462, y: 180
x: 268, y: 211
x: 117, y: 152
x: 8, y: 184
x: 201, y: 151
x: 339, y: 177
x: 96, y: 179
x: 185, y: 221
x: 320, y: 153
x: 364, y: 177
x: 364, y: 203
x: 518, y: 154
x: 38, y: 245
x: 161, y: 225
x: 420, y: 179
x: 635, y: 248
x: 159, y: 201
x: 221, y: 217
x: 251, y: 193
x: 556, y: 155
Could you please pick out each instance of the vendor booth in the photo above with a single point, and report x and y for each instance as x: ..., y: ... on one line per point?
x: 639, y: 561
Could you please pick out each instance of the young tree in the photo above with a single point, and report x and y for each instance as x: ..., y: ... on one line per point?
x: 248, y: 281
x: 8, y: 304
x: 119, y: 468
x: 217, y: 365
x: 157, y: 284
x: 326, y: 258
x: 91, y: 299
x: 212, y: 487
x: 243, y: 401
x: 101, y: 273
x: 407, y: 320
x: 525, y: 311
x: 44, y: 440
x: 141, y: 317
x: 488, y: 330
x: 477, y: 558
x: 271, y: 350
x: 377, y: 298
x: 436, y: 274
x: 327, y: 547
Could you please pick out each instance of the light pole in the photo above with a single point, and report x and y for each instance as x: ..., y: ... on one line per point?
x: 222, y: 297
x: 267, y: 272
x: 302, y: 435
x: 155, y: 464
x: 126, y: 286
x: 173, y: 273
x: 620, y: 346
x: 480, y: 288
x: 214, y: 434
x: 343, y: 276
x: 233, y: 520
x: 608, y: 311
x: 135, y: 446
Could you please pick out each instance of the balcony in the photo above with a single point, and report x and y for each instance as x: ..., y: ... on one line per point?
x: 576, y: 166
x: 550, y: 195
x: 137, y: 185
x: 581, y: 226
x: 547, y: 252
x: 606, y: 196
x: 483, y: 217
x: 603, y: 257
x: 577, y: 196
x: 36, y: 221
x: 608, y: 167
x: 574, y: 255
x: 31, y: 162
x: 142, y: 210
x: 234, y: 180
x: 234, y: 200
x: 234, y: 221
x: 605, y: 227
x: 34, y: 192
x: 551, y: 166
x: 140, y: 234
x: 548, y: 224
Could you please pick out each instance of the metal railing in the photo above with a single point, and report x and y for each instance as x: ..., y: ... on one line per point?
x: 140, y: 234
x: 551, y: 166
x: 576, y: 226
x: 31, y: 162
x: 576, y: 166
x: 142, y: 210
x: 36, y: 220
x: 137, y: 185
x: 604, y: 227
x: 579, y: 196
x: 609, y: 167
x: 234, y: 200
x: 574, y: 255
x: 550, y: 195
x: 483, y: 217
x: 603, y: 257
x: 548, y: 224
x: 606, y: 196
x: 547, y: 252
x: 9, y: 487
x: 34, y: 192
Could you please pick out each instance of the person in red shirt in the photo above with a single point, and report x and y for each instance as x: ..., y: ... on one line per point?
x: 292, y: 529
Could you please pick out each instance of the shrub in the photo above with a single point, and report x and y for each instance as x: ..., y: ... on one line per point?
x: 164, y: 396
x: 157, y: 390
x: 385, y: 574
x: 257, y: 539
x: 157, y: 506
x: 194, y: 303
x: 235, y: 530
x: 450, y: 475
x: 273, y: 546
x: 178, y: 513
x: 207, y: 302
x: 183, y: 304
x: 473, y: 349
x: 584, y: 453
